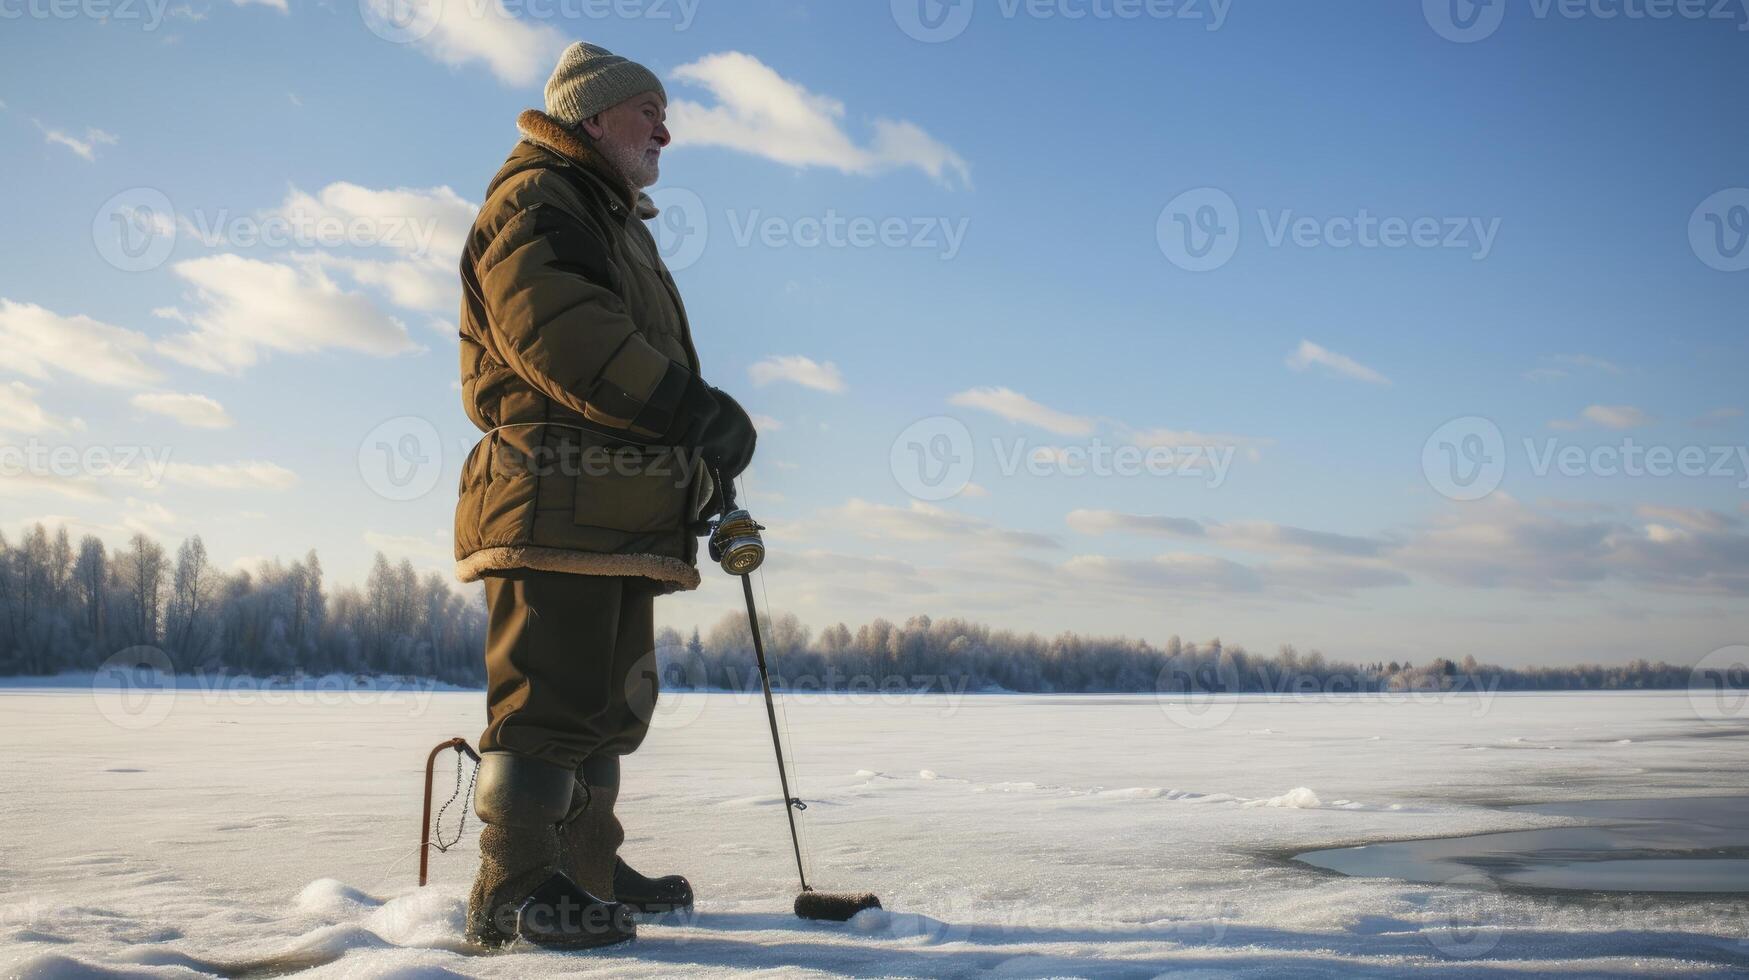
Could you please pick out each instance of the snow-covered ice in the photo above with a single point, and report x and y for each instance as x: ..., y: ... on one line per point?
x: 202, y: 833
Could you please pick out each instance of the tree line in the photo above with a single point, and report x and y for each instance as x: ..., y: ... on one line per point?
x: 67, y: 608
x: 954, y: 655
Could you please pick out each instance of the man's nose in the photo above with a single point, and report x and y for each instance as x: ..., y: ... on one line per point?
x: 661, y: 134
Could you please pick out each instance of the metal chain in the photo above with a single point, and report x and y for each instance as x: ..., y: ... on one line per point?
x: 462, y: 822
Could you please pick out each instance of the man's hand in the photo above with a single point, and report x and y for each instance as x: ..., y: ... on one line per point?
x: 729, y: 438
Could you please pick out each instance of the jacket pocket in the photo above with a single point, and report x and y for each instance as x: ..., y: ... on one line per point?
x: 637, y: 490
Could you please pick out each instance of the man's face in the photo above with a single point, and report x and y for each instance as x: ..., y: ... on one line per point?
x: 631, y: 135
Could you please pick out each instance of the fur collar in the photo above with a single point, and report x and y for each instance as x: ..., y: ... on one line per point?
x: 543, y: 130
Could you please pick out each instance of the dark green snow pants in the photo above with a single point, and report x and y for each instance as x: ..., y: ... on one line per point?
x: 570, y: 664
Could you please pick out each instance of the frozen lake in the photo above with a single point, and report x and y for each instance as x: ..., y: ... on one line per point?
x: 196, y: 833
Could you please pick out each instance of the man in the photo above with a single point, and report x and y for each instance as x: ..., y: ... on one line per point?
x: 605, y: 454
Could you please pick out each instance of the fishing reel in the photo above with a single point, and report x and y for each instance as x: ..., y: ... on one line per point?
x: 736, y: 544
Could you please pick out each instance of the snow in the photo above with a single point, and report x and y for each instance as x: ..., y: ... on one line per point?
x: 199, y: 833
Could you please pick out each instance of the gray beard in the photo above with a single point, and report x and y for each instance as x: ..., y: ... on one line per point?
x: 629, y: 161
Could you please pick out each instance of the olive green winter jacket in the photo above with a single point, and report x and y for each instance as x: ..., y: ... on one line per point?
x: 575, y: 351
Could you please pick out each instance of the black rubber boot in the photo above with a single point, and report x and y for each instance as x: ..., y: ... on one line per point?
x: 589, y: 841
x: 521, y: 891
x: 650, y: 896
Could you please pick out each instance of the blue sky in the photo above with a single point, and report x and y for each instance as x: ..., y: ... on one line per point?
x: 1035, y: 171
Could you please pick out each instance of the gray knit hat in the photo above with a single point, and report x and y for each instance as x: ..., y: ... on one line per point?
x: 591, y: 78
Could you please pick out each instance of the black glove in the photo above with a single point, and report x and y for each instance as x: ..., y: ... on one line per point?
x: 728, y: 438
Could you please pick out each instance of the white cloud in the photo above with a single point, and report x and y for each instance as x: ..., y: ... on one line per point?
x: 1191, y: 439
x: 1588, y: 361
x: 85, y: 147
x: 253, y: 474
x: 1110, y: 521
x: 247, y: 306
x: 346, y: 226
x: 37, y: 340
x: 1016, y: 407
x: 1718, y: 417
x: 1261, y: 536
x: 1692, y: 518
x: 146, y: 517
x: 426, y: 550
x: 1175, y: 571
x: 760, y: 112
x: 800, y: 370
x: 517, y: 52
x: 279, y: 5
x: 19, y: 412
x: 26, y: 483
x: 1310, y: 354
x: 765, y: 423
x: 1616, y: 416
x: 926, y: 522
x: 196, y: 411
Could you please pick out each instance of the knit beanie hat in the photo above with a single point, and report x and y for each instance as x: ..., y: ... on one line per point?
x: 591, y: 78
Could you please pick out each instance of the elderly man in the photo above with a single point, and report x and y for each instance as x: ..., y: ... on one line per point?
x: 604, y: 456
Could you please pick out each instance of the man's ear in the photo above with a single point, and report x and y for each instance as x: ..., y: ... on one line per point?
x: 592, y: 127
